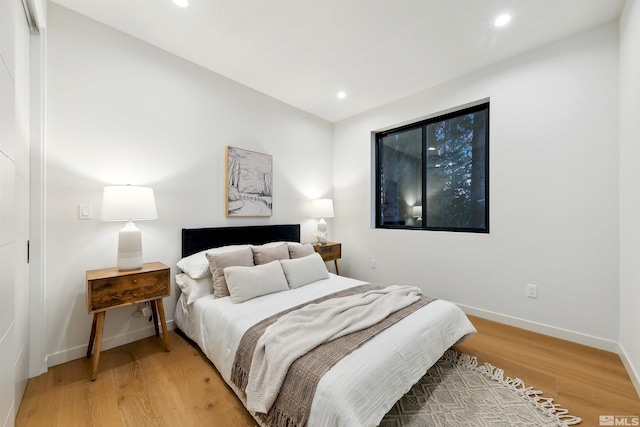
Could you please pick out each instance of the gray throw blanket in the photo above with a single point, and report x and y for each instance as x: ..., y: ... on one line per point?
x: 293, y: 402
x: 299, y: 332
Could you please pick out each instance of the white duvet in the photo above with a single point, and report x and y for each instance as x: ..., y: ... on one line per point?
x: 361, y: 388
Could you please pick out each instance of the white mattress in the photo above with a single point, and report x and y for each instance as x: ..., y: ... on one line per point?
x: 361, y: 388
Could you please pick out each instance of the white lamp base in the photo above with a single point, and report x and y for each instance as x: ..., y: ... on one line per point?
x: 129, y: 247
x: 322, y: 231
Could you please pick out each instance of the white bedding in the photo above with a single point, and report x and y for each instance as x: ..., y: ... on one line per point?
x: 361, y: 388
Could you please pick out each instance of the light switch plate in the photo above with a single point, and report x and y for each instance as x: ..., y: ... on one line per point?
x: 85, y: 211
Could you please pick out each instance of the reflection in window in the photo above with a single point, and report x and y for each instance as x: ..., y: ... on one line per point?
x: 433, y: 174
x: 400, y: 160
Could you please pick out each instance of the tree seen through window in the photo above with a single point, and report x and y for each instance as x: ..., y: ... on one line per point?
x: 437, y: 168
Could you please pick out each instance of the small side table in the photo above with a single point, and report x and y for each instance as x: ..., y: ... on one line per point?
x: 110, y: 288
x: 330, y: 251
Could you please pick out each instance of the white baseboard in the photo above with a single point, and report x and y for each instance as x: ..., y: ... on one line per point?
x: 11, y: 415
x: 633, y: 373
x: 565, y: 334
x: 107, y: 343
x: 552, y: 331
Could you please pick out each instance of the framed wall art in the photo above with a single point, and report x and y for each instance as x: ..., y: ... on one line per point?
x: 249, y: 177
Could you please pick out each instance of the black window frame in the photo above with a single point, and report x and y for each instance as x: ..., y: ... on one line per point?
x: 378, y: 137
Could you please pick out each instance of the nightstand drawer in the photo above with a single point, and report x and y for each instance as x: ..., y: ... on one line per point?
x: 329, y: 251
x: 126, y: 290
x: 129, y: 288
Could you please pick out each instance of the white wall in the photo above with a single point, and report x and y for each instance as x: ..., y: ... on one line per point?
x: 121, y: 111
x: 629, y: 194
x: 14, y: 208
x: 553, y: 195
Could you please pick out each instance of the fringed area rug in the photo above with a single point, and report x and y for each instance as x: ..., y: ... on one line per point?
x: 457, y: 392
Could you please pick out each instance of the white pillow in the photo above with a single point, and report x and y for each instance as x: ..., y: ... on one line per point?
x: 245, y: 283
x: 299, y: 250
x: 302, y: 271
x: 197, y: 265
x: 194, y: 289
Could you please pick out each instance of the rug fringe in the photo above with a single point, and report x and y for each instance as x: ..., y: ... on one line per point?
x: 545, y: 404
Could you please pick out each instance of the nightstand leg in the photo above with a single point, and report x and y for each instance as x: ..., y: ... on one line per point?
x: 98, y: 345
x: 335, y: 262
x: 154, y: 313
x: 92, y: 337
x: 165, y: 334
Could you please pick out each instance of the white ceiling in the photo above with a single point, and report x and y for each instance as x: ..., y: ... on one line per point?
x: 303, y: 52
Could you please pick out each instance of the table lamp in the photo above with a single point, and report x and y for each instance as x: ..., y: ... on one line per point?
x: 129, y: 203
x: 322, y: 208
x: 417, y: 213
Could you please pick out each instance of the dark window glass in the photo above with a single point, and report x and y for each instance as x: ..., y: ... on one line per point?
x: 400, y: 160
x: 433, y: 175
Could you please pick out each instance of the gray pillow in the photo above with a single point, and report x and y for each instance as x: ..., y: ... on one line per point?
x: 297, y: 250
x: 266, y: 253
x: 219, y: 261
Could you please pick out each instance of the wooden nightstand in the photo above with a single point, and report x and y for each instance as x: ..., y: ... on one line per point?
x: 110, y: 288
x: 329, y: 251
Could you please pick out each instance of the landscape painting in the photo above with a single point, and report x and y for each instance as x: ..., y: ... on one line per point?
x: 249, y: 183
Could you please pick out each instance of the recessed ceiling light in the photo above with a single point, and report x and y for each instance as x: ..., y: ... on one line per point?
x: 341, y: 95
x: 181, y: 3
x: 502, y: 20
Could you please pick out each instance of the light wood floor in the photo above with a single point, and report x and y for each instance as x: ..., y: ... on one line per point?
x: 586, y: 381
x: 140, y: 384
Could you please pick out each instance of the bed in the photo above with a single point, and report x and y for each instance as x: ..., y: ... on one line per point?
x: 361, y: 387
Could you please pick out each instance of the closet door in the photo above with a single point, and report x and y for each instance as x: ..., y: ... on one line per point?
x: 14, y: 205
x: 22, y: 185
x: 8, y: 244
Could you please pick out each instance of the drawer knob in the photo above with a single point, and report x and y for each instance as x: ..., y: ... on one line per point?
x: 135, y: 295
x: 135, y: 281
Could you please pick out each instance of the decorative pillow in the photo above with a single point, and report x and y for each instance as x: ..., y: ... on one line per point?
x: 302, y: 271
x: 219, y: 261
x: 246, y: 283
x: 270, y: 244
x: 197, y: 265
x: 297, y: 250
x: 266, y: 253
x: 194, y: 289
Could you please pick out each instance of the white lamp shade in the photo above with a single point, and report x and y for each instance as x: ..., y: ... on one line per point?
x: 128, y: 203
x: 322, y: 208
x: 417, y: 211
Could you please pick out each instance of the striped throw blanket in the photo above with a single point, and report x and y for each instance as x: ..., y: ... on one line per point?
x: 281, y: 359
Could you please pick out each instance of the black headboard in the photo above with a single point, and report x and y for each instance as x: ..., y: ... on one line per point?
x: 198, y: 239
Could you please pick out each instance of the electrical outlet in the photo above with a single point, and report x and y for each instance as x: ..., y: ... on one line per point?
x: 146, y: 310
x: 373, y: 263
x: 532, y: 291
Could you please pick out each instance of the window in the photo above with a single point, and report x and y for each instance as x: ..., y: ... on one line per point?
x: 434, y: 174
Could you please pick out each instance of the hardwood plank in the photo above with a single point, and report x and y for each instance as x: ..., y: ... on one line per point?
x: 142, y: 384
x: 588, y: 382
